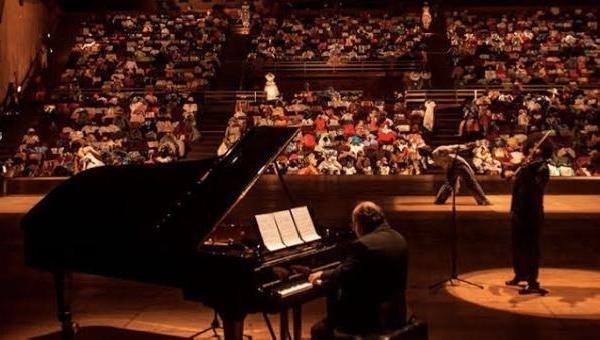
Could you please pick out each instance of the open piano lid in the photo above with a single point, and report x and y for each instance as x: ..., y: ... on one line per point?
x: 143, y: 222
x: 222, y: 187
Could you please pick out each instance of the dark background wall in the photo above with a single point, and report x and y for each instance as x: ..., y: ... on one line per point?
x: 22, y: 26
x: 85, y: 5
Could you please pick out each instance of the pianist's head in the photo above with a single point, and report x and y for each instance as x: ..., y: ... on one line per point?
x: 366, y: 216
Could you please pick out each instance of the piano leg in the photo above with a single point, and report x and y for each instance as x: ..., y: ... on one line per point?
x: 283, y: 325
x: 297, y: 322
x: 233, y: 326
x: 269, y: 326
x: 62, y: 281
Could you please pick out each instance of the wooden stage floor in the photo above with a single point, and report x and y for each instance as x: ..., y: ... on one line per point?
x: 554, y: 204
x: 116, y: 309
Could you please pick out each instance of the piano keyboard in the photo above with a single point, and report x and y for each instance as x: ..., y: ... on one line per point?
x: 294, y: 289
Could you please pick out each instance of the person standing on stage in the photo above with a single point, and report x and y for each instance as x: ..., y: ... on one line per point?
x: 368, y: 294
x: 426, y: 17
x: 457, y: 169
x: 527, y: 213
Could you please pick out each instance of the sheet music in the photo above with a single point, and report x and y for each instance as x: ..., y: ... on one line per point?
x: 304, y: 224
x: 269, y: 232
x: 287, y: 228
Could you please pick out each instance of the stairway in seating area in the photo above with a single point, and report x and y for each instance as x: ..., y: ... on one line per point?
x: 219, y: 107
x: 448, y: 111
x: 212, y: 125
x: 447, y: 119
x: 440, y: 64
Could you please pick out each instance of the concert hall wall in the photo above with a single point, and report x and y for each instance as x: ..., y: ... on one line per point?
x: 22, y: 27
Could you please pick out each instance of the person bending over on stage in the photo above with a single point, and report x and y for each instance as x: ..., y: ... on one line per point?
x: 527, y: 213
x: 457, y: 168
x: 367, y: 289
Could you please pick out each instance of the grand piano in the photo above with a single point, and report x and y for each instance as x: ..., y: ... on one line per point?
x: 163, y: 224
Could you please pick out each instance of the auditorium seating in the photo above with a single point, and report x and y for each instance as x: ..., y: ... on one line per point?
x: 160, y: 50
x: 127, y: 93
x: 543, y: 46
x: 337, y: 37
x: 337, y: 45
x: 342, y: 133
x: 501, y: 120
x: 515, y: 73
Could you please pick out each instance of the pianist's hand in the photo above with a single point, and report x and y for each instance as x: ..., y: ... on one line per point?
x: 315, y: 278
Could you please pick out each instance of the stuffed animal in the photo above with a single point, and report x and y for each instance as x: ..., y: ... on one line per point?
x: 483, y: 162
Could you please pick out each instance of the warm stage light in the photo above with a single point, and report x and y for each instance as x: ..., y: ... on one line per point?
x: 574, y: 293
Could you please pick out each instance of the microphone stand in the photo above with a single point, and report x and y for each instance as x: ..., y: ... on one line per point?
x: 453, y: 278
x: 216, y: 325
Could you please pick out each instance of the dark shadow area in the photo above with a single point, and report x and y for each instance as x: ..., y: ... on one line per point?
x: 113, y: 333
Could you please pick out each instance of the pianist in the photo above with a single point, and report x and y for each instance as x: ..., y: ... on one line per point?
x: 368, y: 287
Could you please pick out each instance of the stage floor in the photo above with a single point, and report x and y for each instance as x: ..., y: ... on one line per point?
x: 116, y: 309
x: 573, y: 293
x: 554, y: 204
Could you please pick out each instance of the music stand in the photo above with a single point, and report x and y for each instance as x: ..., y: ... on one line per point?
x: 454, y: 276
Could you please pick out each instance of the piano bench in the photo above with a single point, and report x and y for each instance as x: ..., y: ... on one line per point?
x: 414, y: 330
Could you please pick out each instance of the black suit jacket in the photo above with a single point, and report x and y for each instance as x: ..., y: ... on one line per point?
x: 528, y: 191
x: 373, y: 275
